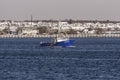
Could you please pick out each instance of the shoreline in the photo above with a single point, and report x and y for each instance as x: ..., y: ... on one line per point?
x: 71, y: 36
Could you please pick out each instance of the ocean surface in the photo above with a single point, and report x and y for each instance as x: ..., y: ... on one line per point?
x: 91, y: 59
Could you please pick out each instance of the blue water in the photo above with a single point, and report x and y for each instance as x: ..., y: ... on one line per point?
x: 91, y: 59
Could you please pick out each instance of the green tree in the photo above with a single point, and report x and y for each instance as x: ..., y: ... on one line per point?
x: 42, y: 30
x: 71, y: 31
x: 6, y: 30
x: 99, y: 30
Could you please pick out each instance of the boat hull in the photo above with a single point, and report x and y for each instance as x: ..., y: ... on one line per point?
x: 66, y: 43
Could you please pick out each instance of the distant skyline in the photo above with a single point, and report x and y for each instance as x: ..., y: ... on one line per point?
x: 60, y: 9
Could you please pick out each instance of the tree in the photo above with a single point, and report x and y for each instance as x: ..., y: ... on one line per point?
x: 42, y: 30
x: 99, y: 30
x: 70, y: 21
x: 6, y: 30
x: 71, y: 31
x: 19, y: 30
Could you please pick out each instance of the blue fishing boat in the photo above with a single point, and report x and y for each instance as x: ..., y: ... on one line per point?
x: 61, y: 40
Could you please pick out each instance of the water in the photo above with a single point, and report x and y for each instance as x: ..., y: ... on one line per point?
x: 91, y: 59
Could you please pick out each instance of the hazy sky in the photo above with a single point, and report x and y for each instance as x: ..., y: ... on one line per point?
x: 60, y: 9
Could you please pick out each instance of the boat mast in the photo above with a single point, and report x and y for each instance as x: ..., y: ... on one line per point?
x: 59, y: 28
x: 31, y: 20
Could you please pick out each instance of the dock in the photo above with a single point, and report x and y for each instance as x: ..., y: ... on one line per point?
x: 70, y: 35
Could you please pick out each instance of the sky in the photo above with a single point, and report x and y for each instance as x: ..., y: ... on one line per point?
x: 60, y: 9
